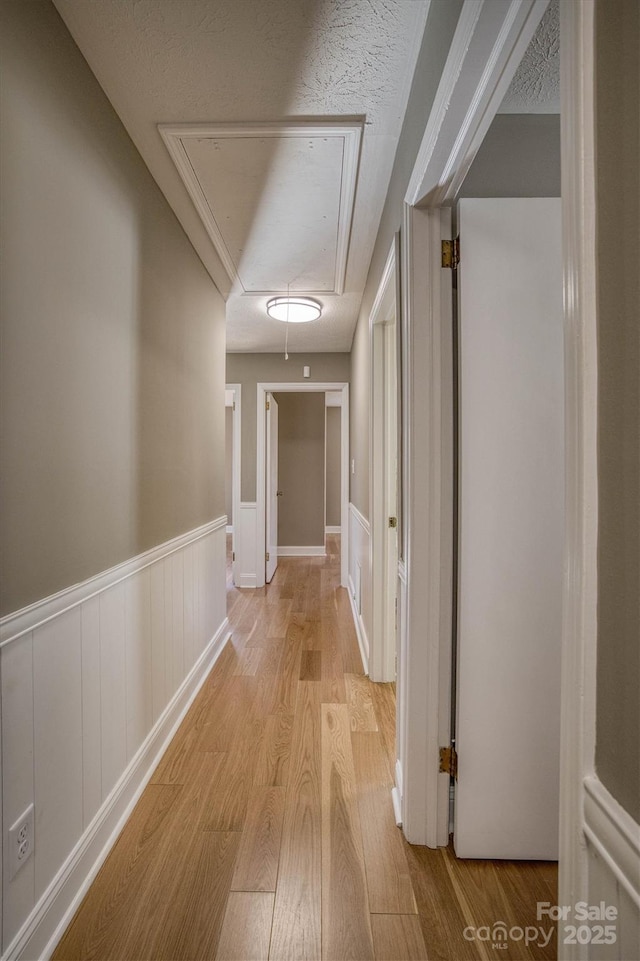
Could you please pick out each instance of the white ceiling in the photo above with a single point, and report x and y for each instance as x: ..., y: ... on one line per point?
x: 280, y: 121
x: 535, y: 87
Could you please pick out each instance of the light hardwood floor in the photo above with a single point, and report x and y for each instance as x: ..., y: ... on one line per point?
x: 267, y: 830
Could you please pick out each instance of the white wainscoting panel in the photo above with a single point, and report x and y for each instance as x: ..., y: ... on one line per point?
x: 246, y: 544
x: 360, y: 579
x: 57, y: 742
x: 137, y: 645
x: 613, y: 869
x: 95, y: 681
x: 91, y: 710
x: 112, y: 687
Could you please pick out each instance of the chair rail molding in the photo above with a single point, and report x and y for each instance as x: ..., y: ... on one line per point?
x: 95, y: 681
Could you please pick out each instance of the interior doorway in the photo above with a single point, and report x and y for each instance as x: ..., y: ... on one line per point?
x: 265, y: 483
x: 233, y: 395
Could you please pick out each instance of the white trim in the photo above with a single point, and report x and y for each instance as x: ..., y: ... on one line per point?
x: 332, y: 529
x: 311, y: 551
x: 361, y: 519
x: 382, y: 313
x: 262, y: 389
x: 355, y: 589
x: 396, y: 794
x: 46, y: 924
x: 247, y: 581
x: 236, y: 456
x: 13, y: 626
x: 488, y: 45
x: 384, y: 303
x: 245, y: 548
x: 361, y: 634
x: 424, y: 668
x: 350, y: 131
x: 229, y: 528
x: 615, y: 835
x: 578, y: 702
x: 396, y: 800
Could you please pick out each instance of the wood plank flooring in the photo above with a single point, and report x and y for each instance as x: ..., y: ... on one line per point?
x: 267, y: 830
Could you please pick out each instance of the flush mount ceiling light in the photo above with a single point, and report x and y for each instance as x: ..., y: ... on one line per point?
x: 294, y: 310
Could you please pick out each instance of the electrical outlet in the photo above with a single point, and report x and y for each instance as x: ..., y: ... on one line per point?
x: 21, y: 841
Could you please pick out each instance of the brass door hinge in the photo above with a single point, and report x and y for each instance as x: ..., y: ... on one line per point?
x: 393, y: 522
x: 268, y: 405
x: 266, y: 556
x: 233, y: 556
x: 451, y: 253
x: 449, y: 761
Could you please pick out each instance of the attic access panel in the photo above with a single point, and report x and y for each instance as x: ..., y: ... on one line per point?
x: 277, y: 200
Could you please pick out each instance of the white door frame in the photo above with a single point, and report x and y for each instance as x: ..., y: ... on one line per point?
x: 424, y: 676
x: 489, y: 42
x: 579, y: 635
x: 304, y: 387
x: 236, y: 454
x: 382, y: 652
x: 271, y: 495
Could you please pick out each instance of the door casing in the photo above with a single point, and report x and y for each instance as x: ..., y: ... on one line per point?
x: 488, y: 45
x: 383, y: 323
x: 262, y: 389
x: 236, y: 453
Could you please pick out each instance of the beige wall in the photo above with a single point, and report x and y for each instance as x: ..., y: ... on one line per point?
x: 300, y: 469
x: 251, y: 369
x: 334, y: 451
x: 618, y: 214
x: 112, y: 378
x: 441, y: 24
x: 519, y: 157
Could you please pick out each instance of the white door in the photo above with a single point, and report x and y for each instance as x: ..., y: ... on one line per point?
x: 271, y: 540
x: 511, y: 453
x: 391, y: 494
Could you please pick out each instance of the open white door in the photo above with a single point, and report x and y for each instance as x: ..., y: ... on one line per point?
x: 271, y: 559
x: 511, y: 456
x: 391, y: 496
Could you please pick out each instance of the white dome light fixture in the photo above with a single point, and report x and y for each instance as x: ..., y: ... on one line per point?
x: 294, y: 310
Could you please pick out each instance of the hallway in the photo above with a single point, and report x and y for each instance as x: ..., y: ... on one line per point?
x: 267, y: 830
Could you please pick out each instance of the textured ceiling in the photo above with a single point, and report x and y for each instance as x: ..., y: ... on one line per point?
x: 169, y: 62
x: 535, y: 87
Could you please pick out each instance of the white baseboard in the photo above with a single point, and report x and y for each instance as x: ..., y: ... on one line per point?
x: 247, y: 580
x: 397, y: 806
x: 399, y: 785
x: 46, y: 924
x: 361, y: 634
x: 312, y: 551
x: 333, y: 529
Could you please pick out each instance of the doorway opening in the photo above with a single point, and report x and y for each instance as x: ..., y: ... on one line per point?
x: 232, y: 477
x: 270, y: 482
